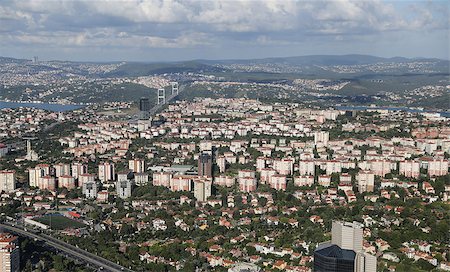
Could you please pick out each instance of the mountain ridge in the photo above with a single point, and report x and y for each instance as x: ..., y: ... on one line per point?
x: 312, y: 58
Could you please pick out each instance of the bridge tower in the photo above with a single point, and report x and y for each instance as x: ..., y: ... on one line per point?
x: 174, y: 87
x: 161, y: 96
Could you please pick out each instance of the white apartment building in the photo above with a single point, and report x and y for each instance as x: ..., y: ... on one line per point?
x: 304, y: 180
x: 365, y: 181
x: 9, y: 253
x: 284, y: 166
x: 106, y: 172
x: 347, y: 235
x: 162, y: 179
x: 225, y: 181
x: 141, y: 179
x: 66, y: 181
x: 7, y: 181
x: 321, y: 138
x: 62, y: 169
x: 438, y: 167
x: 90, y: 189
x: 78, y: 169
x: 202, y: 189
x: 410, y: 169
x: 136, y: 165
x: 38, y: 172
x: 123, y: 188
x: 306, y: 167
x: 85, y: 178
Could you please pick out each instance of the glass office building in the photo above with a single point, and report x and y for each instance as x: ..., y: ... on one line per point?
x: 332, y: 258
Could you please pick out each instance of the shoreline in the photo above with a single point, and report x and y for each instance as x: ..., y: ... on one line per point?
x: 55, y: 107
x: 42, y: 102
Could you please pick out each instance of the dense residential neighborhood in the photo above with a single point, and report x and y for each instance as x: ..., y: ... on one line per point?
x: 222, y: 183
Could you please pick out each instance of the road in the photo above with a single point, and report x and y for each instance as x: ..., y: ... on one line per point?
x: 157, y: 107
x: 77, y: 253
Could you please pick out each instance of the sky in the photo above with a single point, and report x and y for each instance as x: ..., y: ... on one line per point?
x: 173, y: 30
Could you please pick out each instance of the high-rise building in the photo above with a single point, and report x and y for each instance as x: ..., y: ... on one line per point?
x: 247, y: 184
x: 144, y: 108
x: 9, y: 253
x: 332, y: 258
x: 123, y: 188
x: 162, y: 179
x: 106, y: 171
x: 438, y: 167
x: 278, y: 182
x: 284, y: 166
x: 7, y: 181
x: 141, y: 179
x: 79, y: 169
x: 181, y: 183
x: 136, y: 165
x: 90, y: 189
x: 202, y: 189
x: 144, y: 104
x: 347, y: 235
x: 66, y: 181
x: 221, y: 163
x: 366, y: 181
x: 85, y: 178
x: 47, y: 183
x: 205, y: 165
x: 345, y: 252
x: 365, y: 262
x: 62, y: 169
x: 410, y: 169
x: 38, y: 172
x: 321, y: 138
x: 31, y: 154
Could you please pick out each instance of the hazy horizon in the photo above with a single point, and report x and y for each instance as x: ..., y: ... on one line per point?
x: 227, y: 59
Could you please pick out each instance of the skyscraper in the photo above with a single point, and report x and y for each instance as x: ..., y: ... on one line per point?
x: 347, y: 235
x: 345, y: 252
x: 144, y: 104
x: 144, y: 108
x: 205, y: 165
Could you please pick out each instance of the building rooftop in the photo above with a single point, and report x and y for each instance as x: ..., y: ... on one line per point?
x: 334, y: 251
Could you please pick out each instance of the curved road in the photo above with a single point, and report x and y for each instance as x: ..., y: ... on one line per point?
x: 77, y: 253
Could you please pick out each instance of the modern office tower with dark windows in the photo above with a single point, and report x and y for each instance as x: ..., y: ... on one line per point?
x: 205, y: 165
x: 344, y: 252
x: 144, y: 108
x: 329, y: 257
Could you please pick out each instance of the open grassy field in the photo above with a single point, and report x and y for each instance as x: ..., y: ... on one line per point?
x: 59, y: 222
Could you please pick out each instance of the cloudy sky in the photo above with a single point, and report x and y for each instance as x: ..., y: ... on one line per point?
x: 167, y: 30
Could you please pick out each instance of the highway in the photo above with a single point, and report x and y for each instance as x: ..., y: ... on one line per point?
x: 74, y: 252
x: 158, y: 107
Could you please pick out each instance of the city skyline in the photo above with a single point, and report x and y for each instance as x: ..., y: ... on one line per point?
x: 174, y: 31
x: 224, y: 135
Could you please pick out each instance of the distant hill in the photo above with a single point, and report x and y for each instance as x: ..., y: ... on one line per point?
x: 142, y: 69
x: 309, y: 65
x: 4, y: 60
x: 353, y: 59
